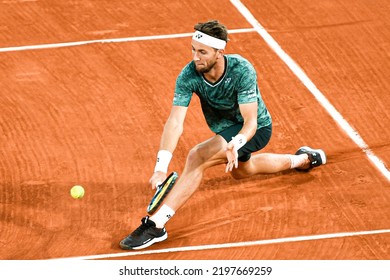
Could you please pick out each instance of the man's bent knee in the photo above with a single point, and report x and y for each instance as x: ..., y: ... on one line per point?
x: 243, y: 171
x: 207, y: 154
x: 196, y: 156
x: 239, y: 174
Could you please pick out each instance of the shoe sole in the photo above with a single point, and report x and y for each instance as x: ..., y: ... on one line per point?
x: 321, y: 152
x: 147, y: 244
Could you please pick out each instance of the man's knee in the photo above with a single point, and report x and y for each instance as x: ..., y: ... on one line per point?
x: 238, y: 174
x: 242, y: 172
x: 196, y: 156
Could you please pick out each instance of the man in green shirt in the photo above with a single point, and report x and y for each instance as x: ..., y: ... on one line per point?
x: 234, y: 110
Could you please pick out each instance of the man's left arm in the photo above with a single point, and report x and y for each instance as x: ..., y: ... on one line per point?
x: 249, y: 114
x: 248, y: 130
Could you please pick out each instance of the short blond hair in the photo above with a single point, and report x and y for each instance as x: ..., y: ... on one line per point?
x: 213, y: 28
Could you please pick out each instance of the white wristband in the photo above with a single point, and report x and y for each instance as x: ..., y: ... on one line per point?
x: 163, y: 159
x: 238, y: 141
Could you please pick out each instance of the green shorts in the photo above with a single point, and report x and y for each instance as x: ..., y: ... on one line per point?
x: 258, y: 141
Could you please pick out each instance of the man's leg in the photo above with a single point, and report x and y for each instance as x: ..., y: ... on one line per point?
x: 304, y: 159
x: 204, y: 155
x: 264, y: 164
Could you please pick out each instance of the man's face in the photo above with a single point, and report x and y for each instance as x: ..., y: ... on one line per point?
x: 205, y: 57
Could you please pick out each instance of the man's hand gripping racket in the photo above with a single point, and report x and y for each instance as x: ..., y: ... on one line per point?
x: 161, y: 192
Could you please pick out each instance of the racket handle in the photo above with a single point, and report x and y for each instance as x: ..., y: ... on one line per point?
x: 158, y: 186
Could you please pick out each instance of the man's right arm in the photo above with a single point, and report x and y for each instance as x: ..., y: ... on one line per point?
x: 173, y: 129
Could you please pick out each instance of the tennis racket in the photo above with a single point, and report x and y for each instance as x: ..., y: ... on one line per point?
x: 161, y: 192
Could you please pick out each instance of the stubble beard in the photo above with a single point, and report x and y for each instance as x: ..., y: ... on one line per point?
x: 206, y: 69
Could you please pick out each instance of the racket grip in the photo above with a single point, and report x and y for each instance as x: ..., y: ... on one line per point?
x: 158, y: 186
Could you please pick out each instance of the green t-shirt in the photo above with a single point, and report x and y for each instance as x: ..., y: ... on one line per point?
x: 220, y: 100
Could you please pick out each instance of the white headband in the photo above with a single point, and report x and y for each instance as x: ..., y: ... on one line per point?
x: 209, y: 40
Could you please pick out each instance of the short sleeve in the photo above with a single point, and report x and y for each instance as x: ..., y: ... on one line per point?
x: 183, y: 89
x: 247, y: 91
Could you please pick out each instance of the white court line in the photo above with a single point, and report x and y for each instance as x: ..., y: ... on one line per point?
x: 352, y: 133
x: 114, y: 40
x: 231, y: 245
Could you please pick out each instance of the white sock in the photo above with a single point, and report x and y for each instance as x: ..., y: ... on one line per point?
x: 162, y: 216
x: 298, y: 160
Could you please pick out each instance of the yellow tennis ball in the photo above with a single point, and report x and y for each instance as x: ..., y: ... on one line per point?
x: 77, y: 192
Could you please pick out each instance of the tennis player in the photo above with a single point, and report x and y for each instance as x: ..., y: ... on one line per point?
x: 227, y: 87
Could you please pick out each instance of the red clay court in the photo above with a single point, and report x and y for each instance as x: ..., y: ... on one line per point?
x: 86, y: 87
